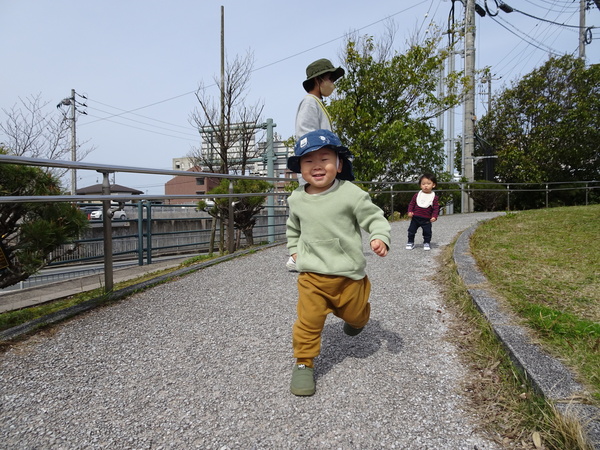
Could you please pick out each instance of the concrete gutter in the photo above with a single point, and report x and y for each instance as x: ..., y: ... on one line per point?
x: 549, y: 377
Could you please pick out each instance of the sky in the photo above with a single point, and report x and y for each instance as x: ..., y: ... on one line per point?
x: 140, y: 62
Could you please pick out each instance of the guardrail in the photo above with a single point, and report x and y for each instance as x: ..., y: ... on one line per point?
x: 106, y: 198
x: 160, y: 230
x: 146, y: 238
x: 537, y: 195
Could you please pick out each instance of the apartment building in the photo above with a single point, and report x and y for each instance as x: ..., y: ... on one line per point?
x: 256, y: 166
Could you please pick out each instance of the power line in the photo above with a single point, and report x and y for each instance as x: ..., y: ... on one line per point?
x: 144, y: 107
x: 339, y: 37
x: 195, y: 135
x: 550, y: 21
x: 529, y: 40
x: 549, y: 49
x: 139, y: 115
x: 540, y: 38
x: 123, y: 112
x: 427, y: 15
x: 568, y: 5
x: 139, y: 128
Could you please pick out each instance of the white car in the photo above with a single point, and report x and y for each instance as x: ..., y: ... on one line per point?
x: 97, y: 215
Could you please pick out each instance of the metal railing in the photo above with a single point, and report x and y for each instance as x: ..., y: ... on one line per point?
x: 509, y: 191
x: 106, y: 199
x: 167, y: 230
x: 145, y: 242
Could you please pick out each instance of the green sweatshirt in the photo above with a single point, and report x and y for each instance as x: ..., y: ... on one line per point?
x: 325, y: 230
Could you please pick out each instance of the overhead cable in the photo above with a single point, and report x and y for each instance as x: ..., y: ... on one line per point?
x: 264, y: 66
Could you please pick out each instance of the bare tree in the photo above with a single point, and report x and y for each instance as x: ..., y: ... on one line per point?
x: 228, y: 129
x: 31, y: 131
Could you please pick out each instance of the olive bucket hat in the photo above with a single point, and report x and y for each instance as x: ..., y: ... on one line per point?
x: 321, y: 67
x: 315, y: 140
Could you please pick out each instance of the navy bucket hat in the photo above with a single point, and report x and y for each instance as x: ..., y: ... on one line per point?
x: 315, y: 140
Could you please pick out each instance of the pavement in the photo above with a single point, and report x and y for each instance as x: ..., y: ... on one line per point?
x: 204, y: 360
x: 23, y: 298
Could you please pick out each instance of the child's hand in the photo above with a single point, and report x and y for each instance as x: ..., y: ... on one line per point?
x: 410, y: 214
x: 379, y: 247
x: 433, y: 219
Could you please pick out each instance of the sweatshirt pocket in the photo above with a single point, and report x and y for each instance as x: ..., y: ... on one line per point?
x: 327, y: 257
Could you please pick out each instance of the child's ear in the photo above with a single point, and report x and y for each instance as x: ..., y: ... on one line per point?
x: 340, y: 166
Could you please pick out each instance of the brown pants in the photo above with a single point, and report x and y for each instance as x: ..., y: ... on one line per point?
x: 319, y: 295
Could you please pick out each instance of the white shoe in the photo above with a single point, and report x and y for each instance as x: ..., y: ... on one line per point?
x: 410, y: 245
x: 426, y: 246
x: 291, y: 265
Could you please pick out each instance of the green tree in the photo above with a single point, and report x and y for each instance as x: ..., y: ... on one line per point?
x: 385, y: 104
x: 244, y: 208
x: 546, y: 127
x: 32, y: 232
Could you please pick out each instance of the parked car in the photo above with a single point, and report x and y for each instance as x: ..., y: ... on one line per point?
x: 88, y: 210
x: 97, y: 215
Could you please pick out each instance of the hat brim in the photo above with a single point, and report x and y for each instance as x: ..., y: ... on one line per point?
x: 335, y: 74
x: 293, y: 163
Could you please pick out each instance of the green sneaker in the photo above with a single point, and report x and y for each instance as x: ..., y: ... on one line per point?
x: 303, y: 381
x: 350, y: 330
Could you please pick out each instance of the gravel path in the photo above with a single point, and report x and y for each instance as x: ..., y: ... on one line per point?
x: 205, y: 362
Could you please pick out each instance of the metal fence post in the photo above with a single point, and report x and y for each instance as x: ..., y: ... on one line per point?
x: 140, y: 227
x: 106, y: 222
x: 230, y: 222
x: 587, y: 190
x: 148, y: 233
x: 270, y: 174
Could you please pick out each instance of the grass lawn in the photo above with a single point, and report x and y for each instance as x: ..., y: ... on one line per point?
x: 546, y: 264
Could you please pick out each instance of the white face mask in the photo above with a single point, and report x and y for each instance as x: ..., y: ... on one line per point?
x: 327, y: 87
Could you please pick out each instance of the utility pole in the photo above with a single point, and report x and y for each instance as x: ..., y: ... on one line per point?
x: 451, y: 136
x: 469, y: 107
x: 489, y: 159
x: 70, y: 101
x: 222, y: 69
x: 449, y: 131
x: 440, y: 93
x: 231, y: 220
x: 486, y: 79
x: 582, y: 30
x: 73, y: 145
